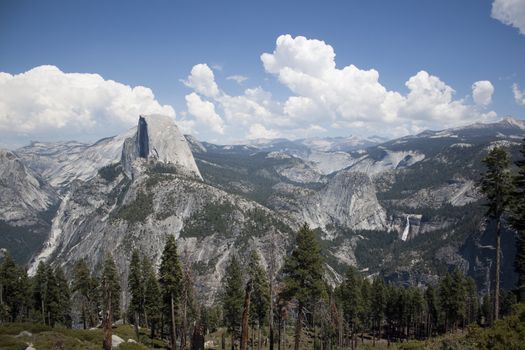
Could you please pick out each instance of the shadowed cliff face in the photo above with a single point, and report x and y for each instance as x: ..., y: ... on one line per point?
x: 142, y: 136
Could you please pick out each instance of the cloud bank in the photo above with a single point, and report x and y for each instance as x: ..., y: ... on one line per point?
x: 324, y: 98
x: 510, y: 12
x: 45, y: 101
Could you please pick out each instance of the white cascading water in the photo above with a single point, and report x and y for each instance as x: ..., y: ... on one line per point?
x: 406, y: 231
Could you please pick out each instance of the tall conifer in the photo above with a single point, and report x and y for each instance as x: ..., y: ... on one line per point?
x: 232, y: 298
x: 303, y: 275
x: 136, y: 288
x: 496, y: 184
x: 170, y: 281
x: 518, y: 222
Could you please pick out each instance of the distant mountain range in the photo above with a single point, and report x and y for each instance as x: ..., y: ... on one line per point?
x: 407, y: 208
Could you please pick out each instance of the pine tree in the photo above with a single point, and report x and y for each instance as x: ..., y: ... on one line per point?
x: 64, y: 298
x: 52, y: 297
x: 110, y: 287
x: 446, y: 299
x: 432, y: 310
x: 110, y: 297
x: 40, y: 290
x: 303, y: 275
x: 136, y: 288
x: 453, y: 297
x: 260, y: 296
x: 496, y: 184
x: 487, y: 308
x: 366, y: 307
x: 187, y: 304
x: 518, y: 223
x: 15, y: 291
x: 377, y: 306
x: 170, y: 281
x: 472, y: 305
x: 391, y: 310
x: 350, y: 294
x: 459, y: 293
x: 152, y: 296
x: 508, y: 301
x: 85, y: 287
x: 233, y: 298
x: 416, y: 308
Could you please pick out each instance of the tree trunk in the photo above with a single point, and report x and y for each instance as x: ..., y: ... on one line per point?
x: 498, y: 267
x: 270, y: 279
x: 298, y: 327
x: 136, y: 326
x: 107, y: 342
x: 341, y: 329
x: 374, y: 333
x: 352, y: 338
x: 279, y: 334
x: 184, y: 325
x: 197, y: 342
x: 245, y: 316
x: 173, y: 330
x: 152, y: 329
x: 270, y: 325
x: 285, y: 337
x: 258, y: 336
x: 313, y: 325
x: 379, y: 330
x: 84, y: 320
x: 43, y: 311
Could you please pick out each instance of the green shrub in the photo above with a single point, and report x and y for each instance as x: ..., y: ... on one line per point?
x: 110, y: 172
x: 508, y: 333
x: 132, y: 346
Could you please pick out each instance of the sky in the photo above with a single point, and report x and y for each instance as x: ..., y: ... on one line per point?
x: 238, y: 70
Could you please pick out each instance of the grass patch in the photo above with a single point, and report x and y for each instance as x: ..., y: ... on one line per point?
x: 45, y: 337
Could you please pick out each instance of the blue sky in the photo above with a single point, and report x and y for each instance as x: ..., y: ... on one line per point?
x: 156, y: 44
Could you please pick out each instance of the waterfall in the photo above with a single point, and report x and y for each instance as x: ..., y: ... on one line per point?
x: 406, y: 231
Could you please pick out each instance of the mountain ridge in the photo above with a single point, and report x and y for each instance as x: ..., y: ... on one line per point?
x: 411, y: 201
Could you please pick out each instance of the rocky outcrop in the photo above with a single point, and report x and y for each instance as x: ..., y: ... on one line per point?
x: 348, y: 200
x: 157, y: 138
x: 100, y: 216
x: 23, y: 194
x: 61, y: 163
x: 27, y: 203
x: 404, y: 189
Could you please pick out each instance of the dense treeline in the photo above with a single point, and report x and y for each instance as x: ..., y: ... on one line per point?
x: 259, y: 306
x: 166, y: 304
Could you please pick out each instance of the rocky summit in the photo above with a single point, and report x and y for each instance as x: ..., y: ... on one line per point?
x: 407, y: 208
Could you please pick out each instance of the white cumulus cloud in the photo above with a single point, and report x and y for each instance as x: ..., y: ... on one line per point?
x: 202, y: 80
x: 482, y: 92
x: 45, y: 101
x: 324, y: 97
x: 259, y: 131
x: 350, y: 96
x: 204, y: 113
x: 519, y: 95
x: 510, y: 12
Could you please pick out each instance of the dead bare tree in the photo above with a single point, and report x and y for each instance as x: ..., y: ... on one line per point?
x: 246, y: 316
